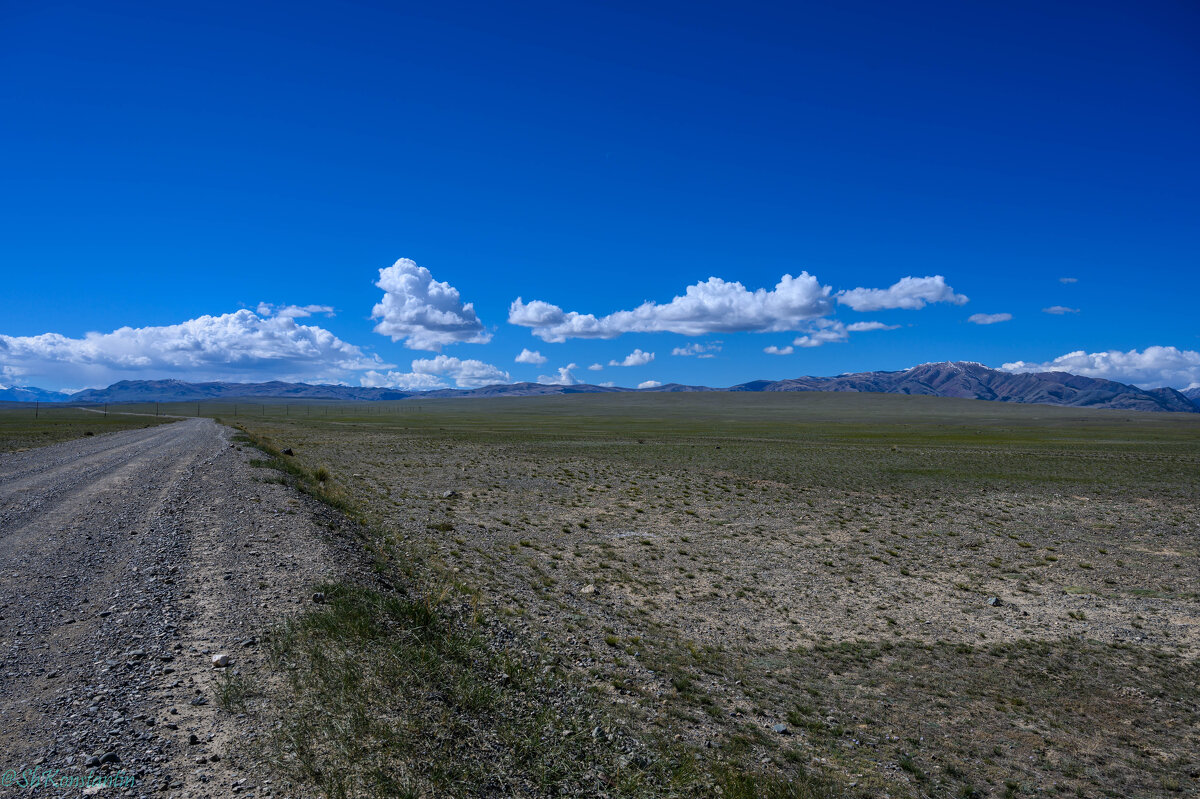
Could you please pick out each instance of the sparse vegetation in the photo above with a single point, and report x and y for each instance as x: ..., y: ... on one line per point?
x: 697, y: 570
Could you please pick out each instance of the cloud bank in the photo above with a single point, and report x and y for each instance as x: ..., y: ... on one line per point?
x: 422, y: 312
x: 432, y: 373
x: 239, y: 346
x: 1153, y: 367
x: 714, y: 305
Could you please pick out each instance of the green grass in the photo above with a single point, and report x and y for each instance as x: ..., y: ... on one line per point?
x: 19, y: 429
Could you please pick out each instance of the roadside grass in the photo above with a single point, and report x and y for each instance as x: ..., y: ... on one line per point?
x: 316, y: 482
x: 20, y: 430
x: 388, y: 693
x: 392, y: 695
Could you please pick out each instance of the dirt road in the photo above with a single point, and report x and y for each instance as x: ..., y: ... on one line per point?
x: 126, y: 562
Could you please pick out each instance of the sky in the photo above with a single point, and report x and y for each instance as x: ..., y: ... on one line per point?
x: 457, y: 194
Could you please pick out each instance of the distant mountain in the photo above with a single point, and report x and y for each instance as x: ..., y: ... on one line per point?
x: 180, y: 391
x: 975, y: 381
x: 957, y: 379
x: 31, y: 394
x: 1193, y: 394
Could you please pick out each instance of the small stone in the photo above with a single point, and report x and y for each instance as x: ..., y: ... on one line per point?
x: 451, y: 494
x: 91, y: 762
x: 215, y: 758
x: 221, y: 660
x: 109, y: 757
x: 288, y: 451
x: 995, y: 601
x: 318, y: 597
x: 588, y: 589
x: 193, y: 739
x: 782, y: 729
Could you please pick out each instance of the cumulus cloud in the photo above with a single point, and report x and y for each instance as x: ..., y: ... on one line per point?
x: 635, y: 358
x: 531, y: 356
x: 1150, y: 368
x: 424, y: 313
x: 429, y: 373
x: 236, y: 346
x: 1059, y: 310
x: 563, y: 378
x: 649, y: 384
x: 909, y: 293
x: 699, y: 350
x: 466, y: 373
x: 773, y: 350
x: 596, y: 367
x: 866, y: 327
x: 1068, y: 280
x: 714, y: 305
x: 988, y: 318
x: 405, y: 381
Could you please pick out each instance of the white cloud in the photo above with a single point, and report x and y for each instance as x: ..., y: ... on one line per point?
x: 698, y: 349
x: 293, y: 311
x: 988, y: 318
x: 401, y: 380
x: 909, y: 293
x: 711, y: 306
x: 596, y: 367
x: 1149, y: 368
x: 822, y: 331
x: 237, y: 346
x: 467, y: 373
x: 1068, y: 280
x: 531, y: 356
x: 433, y: 372
x: 1059, y: 310
x: 609, y: 384
x: 649, y: 384
x: 827, y: 331
x: 425, y: 313
x: 563, y: 378
x: 635, y: 358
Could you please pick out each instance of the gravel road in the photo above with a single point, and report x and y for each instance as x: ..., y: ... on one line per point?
x: 126, y: 562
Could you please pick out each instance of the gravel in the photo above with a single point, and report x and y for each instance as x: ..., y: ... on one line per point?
x: 129, y: 563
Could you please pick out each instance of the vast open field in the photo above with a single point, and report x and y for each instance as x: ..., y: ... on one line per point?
x: 750, y: 594
x: 23, y: 427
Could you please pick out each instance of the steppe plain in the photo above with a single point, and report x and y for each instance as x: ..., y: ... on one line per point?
x: 739, y: 595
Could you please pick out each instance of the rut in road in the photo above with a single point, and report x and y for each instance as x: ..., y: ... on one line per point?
x: 126, y: 560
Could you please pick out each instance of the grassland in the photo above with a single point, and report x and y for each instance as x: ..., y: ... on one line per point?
x: 752, y: 594
x: 21, y: 429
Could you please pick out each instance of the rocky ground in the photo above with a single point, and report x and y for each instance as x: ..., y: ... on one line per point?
x: 127, y: 562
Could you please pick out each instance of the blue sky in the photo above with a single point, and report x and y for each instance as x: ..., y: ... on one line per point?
x: 199, y: 173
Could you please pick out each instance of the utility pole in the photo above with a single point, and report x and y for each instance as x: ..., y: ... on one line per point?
x: 156, y: 409
x: 36, y: 409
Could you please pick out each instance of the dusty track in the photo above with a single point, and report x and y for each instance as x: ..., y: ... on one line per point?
x: 126, y: 561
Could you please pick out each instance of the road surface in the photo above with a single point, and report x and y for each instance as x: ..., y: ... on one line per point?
x: 126, y: 561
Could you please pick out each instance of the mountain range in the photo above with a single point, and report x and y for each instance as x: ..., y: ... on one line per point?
x: 949, y: 379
